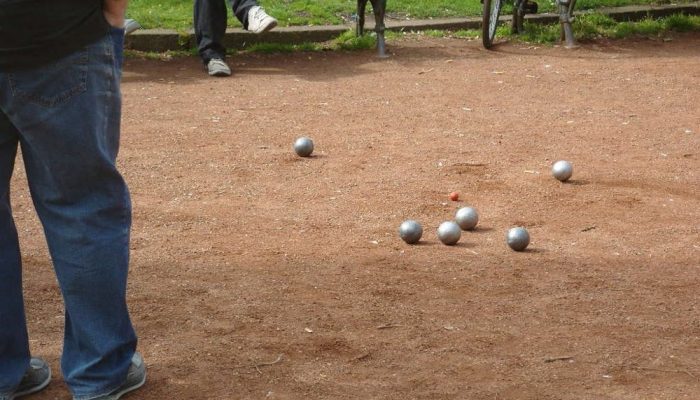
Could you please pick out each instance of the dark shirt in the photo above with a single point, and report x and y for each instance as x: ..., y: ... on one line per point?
x: 36, y: 32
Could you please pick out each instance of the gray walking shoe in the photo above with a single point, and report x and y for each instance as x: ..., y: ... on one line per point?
x: 217, y: 67
x: 135, y: 378
x: 259, y: 21
x: 131, y: 25
x: 36, y: 378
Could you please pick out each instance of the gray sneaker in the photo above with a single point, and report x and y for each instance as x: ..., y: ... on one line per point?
x: 130, y: 25
x: 135, y: 378
x: 217, y: 67
x: 36, y: 378
x: 259, y: 21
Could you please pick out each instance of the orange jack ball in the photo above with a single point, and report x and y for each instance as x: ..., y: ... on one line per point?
x: 454, y: 196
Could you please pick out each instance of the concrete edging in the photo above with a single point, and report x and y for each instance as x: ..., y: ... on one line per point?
x: 160, y: 40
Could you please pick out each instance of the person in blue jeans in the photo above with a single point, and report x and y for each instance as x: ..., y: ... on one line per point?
x: 60, y: 101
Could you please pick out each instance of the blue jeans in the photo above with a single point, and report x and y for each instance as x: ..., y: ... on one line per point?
x: 66, y: 117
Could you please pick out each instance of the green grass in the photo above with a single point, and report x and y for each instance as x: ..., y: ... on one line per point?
x: 346, y: 41
x: 595, y: 26
x: 284, y: 47
x: 586, y: 27
x: 164, y: 56
x: 349, y: 41
x: 177, y: 14
x: 171, y: 14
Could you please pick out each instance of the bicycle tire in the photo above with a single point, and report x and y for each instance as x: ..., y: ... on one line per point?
x: 489, y: 23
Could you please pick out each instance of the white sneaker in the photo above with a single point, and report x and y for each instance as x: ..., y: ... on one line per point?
x: 259, y: 21
x: 217, y: 67
x: 130, y: 25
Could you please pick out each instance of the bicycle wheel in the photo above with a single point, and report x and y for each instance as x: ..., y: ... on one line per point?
x: 492, y: 9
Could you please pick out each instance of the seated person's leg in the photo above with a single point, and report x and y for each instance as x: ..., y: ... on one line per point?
x: 252, y: 16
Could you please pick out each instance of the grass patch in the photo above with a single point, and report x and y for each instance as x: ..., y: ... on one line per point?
x: 596, y: 26
x: 467, y: 33
x: 346, y: 41
x: 349, y: 41
x: 433, y: 33
x: 682, y: 23
x: 284, y: 47
x: 307, y: 12
x: 171, y: 14
x: 177, y: 14
x: 586, y: 27
x: 165, y: 56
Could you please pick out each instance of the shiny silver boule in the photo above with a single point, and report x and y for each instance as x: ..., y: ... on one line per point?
x: 449, y: 233
x: 467, y: 218
x: 518, y: 238
x: 410, y: 231
x: 304, y: 147
x: 562, y: 170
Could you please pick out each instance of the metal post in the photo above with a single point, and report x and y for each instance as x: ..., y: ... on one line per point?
x: 379, y: 7
x: 565, y: 18
x: 360, y: 26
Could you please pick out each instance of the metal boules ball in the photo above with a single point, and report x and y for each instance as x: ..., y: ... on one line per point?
x: 410, y: 231
x: 449, y: 233
x: 467, y: 218
x: 304, y: 146
x: 518, y: 238
x: 562, y: 170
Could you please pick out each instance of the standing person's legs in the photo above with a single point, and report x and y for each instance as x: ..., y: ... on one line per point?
x: 14, y: 344
x: 67, y: 116
x: 209, y: 28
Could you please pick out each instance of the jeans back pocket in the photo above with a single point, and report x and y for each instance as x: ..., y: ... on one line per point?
x: 52, y: 84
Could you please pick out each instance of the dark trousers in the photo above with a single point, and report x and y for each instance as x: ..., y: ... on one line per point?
x: 210, y: 24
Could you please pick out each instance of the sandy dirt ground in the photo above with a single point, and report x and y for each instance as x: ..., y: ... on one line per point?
x: 257, y: 274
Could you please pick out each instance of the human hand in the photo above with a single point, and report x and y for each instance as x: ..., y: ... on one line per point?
x: 114, y: 11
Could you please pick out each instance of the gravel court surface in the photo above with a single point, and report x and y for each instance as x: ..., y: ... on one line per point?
x: 259, y: 274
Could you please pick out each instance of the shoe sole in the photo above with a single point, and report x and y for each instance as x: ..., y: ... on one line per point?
x: 219, y: 73
x: 34, y: 389
x: 130, y: 388
x: 267, y: 28
x: 131, y: 27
